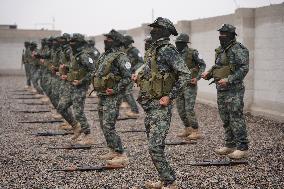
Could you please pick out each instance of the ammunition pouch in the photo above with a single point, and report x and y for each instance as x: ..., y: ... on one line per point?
x: 159, y: 85
x: 222, y: 72
x: 108, y: 81
x: 76, y: 75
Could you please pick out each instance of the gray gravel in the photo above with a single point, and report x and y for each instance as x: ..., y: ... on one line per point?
x: 25, y: 159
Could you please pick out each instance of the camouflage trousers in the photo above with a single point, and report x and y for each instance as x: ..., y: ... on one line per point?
x: 185, y: 103
x: 35, y: 76
x: 28, y: 73
x: 65, y: 102
x: 55, y: 86
x: 230, y: 105
x: 128, y: 97
x: 108, y: 110
x: 157, y: 124
x: 74, y: 96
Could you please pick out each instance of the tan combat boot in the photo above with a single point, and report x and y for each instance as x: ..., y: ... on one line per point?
x: 86, y: 139
x: 119, y: 160
x: 26, y: 87
x: 34, y: 91
x: 132, y: 114
x: 153, y: 185
x: 38, y: 95
x: 186, y: 132
x: 56, y: 115
x: 238, y: 154
x: 44, y: 100
x: 224, y: 151
x: 77, y: 131
x: 171, y: 186
x: 110, y: 155
x: 194, y: 135
x: 65, y: 126
x: 124, y: 105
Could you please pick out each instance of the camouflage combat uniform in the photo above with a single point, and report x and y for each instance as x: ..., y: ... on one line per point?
x: 35, y: 69
x: 136, y: 61
x: 26, y: 62
x: 231, y: 64
x: 113, y: 72
x: 185, y: 101
x: 167, y: 73
x: 81, y: 68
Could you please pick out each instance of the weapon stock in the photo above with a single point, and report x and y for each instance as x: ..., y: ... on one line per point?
x: 73, y: 147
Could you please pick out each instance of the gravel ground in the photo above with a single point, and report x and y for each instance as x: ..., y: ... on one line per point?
x: 25, y: 159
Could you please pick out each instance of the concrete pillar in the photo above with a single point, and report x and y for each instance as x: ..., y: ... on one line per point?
x: 244, y: 20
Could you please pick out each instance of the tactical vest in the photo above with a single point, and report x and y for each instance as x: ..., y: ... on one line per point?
x: 64, y: 61
x: 224, y: 68
x: 108, y: 79
x: 160, y: 84
x: 191, y: 64
x: 76, y: 72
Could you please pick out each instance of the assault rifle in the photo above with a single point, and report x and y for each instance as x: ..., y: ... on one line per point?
x: 98, y: 168
x: 26, y: 98
x: 73, y: 147
x: 51, y: 133
x: 218, y: 162
x: 30, y: 111
x: 33, y: 103
x: 180, y: 143
x: 43, y: 121
x: 132, y: 131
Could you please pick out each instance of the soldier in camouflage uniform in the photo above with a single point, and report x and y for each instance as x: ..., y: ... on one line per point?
x: 25, y: 61
x: 65, y: 57
x: 229, y: 71
x: 186, y: 100
x: 79, y: 74
x: 35, y: 70
x: 111, y: 79
x: 92, y: 50
x: 55, y: 81
x: 136, y: 61
x: 161, y: 80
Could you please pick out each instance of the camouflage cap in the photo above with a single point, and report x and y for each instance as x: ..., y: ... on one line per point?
x: 33, y: 44
x: 128, y: 39
x: 91, y: 42
x: 77, y: 37
x: 115, y: 35
x: 66, y: 36
x: 182, y: 38
x: 165, y: 23
x: 228, y: 28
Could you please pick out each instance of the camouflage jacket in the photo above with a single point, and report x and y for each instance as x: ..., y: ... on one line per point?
x: 83, y: 61
x: 168, y: 60
x: 196, y: 60
x: 120, y: 67
x: 93, y: 52
x: 135, y: 58
x: 238, y: 56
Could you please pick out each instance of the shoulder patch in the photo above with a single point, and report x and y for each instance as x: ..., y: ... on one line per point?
x: 128, y: 65
x: 91, y: 61
x: 139, y: 54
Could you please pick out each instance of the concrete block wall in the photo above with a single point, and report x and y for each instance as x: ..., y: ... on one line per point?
x: 12, y: 44
x: 261, y: 30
